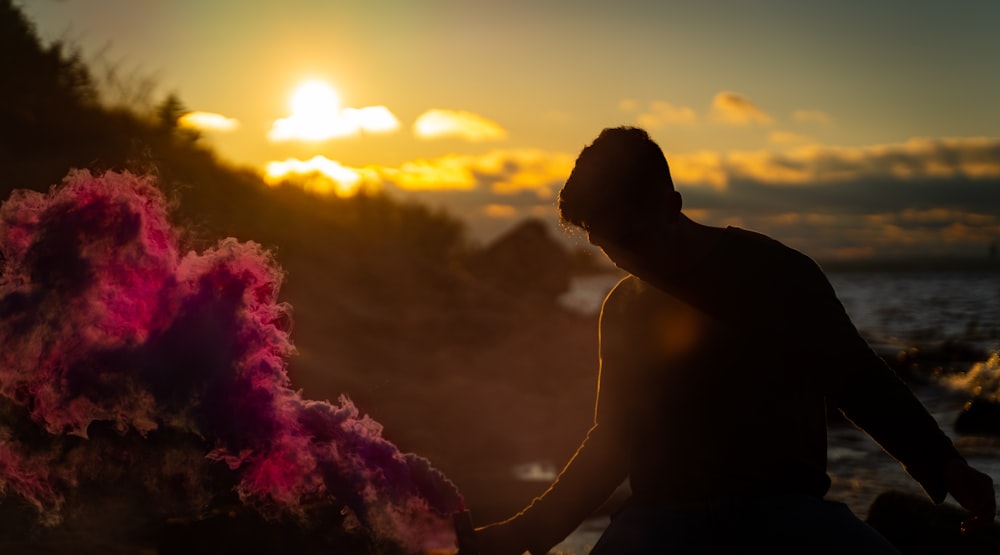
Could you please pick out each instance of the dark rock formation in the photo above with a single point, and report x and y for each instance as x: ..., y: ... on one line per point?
x: 526, y: 260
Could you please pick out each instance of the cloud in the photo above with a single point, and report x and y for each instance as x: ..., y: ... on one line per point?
x: 501, y: 172
x: 705, y: 167
x: 448, y: 172
x: 932, y: 232
x: 812, y: 116
x: 661, y: 113
x: 734, y: 109
x: 915, y: 159
x: 512, y: 171
x: 317, y: 116
x: 439, y: 123
x: 346, y: 122
x: 922, y: 196
x: 541, y: 173
x: 842, y: 222
x: 319, y: 174
x: 207, y: 121
x: 842, y: 203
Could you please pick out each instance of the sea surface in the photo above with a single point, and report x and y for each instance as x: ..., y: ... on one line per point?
x: 895, y: 312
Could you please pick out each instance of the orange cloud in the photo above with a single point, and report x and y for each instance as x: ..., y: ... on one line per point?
x: 318, y: 174
x: 502, y: 171
x: 918, y: 158
x: 698, y: 168
x: 439, y: 123
x: 734, y: 109
x: 207, y: 121
x: 512, y: 171
x: 451, y: 172
x: 929, y: 229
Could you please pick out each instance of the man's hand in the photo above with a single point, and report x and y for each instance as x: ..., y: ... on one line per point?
x: 974, y: 491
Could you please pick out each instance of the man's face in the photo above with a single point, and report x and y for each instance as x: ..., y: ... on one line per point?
x: 617, y: 253
x: 631, y: 246
x: 639, y: 242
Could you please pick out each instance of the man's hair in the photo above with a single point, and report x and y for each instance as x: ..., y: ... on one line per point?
x: 620, y: 174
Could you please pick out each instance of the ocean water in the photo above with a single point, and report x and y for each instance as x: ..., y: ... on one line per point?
x: 894, y: 311
x: 923, y: 308
x: 889, y: 308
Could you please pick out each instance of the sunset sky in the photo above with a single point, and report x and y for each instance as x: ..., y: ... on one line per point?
x: 846, y: 129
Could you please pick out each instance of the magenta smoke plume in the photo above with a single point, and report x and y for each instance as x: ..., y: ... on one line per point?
x: 103, y: 320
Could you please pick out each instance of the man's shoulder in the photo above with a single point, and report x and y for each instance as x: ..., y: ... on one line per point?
x: 756, y: 250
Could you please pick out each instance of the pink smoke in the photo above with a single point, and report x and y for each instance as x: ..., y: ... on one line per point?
x: 102, y: 320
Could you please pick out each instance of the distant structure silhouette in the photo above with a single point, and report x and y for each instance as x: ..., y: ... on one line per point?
x: 720, y: 353
x: 525, y: 259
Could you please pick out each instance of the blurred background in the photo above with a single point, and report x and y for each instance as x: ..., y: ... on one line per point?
x: 402, y: 160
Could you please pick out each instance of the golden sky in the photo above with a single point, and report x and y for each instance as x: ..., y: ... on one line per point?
x: 843, y: 128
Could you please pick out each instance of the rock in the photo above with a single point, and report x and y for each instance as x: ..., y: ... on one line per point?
x: 526, y: 260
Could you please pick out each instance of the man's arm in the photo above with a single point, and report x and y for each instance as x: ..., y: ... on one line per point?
x: 868, y: 392
x: 588, y: 479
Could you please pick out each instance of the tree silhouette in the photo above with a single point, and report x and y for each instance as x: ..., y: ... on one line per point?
x: 46, y: 106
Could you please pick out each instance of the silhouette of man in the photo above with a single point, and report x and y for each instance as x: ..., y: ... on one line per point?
x: 719, y: 355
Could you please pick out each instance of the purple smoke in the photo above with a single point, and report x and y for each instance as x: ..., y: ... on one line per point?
x: 103, y: 320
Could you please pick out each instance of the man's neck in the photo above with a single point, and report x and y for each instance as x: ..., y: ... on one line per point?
x: 689, y: 243
x: 684, y: 274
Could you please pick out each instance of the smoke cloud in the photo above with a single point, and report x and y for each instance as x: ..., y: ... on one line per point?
x: 122, y: 356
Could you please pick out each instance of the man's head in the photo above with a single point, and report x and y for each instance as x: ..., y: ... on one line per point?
x: 619, y: 185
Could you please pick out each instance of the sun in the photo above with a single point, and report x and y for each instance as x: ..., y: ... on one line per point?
x: 316, y: 115
x: 315, y: 99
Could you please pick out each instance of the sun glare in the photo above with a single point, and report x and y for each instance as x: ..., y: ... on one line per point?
x: 317, y: 116
x: 315, y: 99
